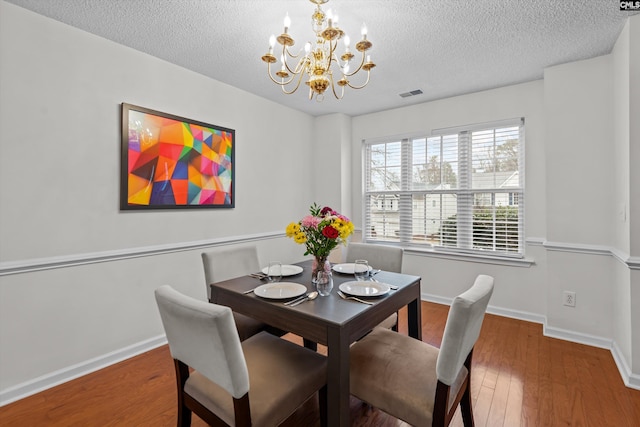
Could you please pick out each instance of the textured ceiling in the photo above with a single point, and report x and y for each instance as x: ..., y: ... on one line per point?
x: 444, y: 48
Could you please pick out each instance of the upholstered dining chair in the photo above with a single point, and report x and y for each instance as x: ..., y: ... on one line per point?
x: 258, y: 382
x: 387, y: 258
x: 414, y: 381
x: 229, y: 263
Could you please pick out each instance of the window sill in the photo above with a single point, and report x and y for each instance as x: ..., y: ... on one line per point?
x: 467, y: 257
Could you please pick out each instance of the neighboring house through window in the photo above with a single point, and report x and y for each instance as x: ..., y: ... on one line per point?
x: 457, y: 189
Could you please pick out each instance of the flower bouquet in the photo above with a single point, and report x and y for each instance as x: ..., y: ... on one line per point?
x: 320, y: 232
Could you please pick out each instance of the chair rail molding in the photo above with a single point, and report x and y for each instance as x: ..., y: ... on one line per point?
x: 582, y: 248
x: 27, y: 266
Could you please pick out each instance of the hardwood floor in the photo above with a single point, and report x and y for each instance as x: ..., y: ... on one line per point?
x: 520, y: 378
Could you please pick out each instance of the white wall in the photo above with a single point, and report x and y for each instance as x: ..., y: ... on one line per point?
x: 59, y: 184
x: 634, y: 134
x: 634, y: 183
x: 626, y: 218
x: 332, y: 161
x: 580, y: 175
x: 621, y: 237
x: 579, y: 146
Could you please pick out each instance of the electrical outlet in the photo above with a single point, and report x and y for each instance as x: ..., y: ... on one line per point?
x: 569, y: 298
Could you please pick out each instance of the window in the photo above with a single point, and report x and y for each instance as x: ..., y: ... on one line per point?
x: 459, y: 189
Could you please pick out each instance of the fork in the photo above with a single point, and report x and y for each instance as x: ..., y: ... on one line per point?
x: 343, y: 296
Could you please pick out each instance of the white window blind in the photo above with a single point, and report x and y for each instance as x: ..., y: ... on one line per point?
x: 459, y: 189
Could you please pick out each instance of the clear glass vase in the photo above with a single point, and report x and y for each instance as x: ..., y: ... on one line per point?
x: 319, y: 264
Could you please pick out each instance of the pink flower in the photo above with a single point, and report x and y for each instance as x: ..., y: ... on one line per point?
x: 310, y: 221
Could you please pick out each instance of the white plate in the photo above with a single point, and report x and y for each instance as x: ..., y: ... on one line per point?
x: 347, y: 268
x: 365, y: 289
x: 280, y: 290
x: 287, y: 270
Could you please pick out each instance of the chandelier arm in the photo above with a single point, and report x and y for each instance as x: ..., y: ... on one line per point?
x: 297, y: 85
x: 332, y: 49
x: 359, y: 67
x: 333, y: 88
x: 286, y: 52
x: 363, y: 85
x: 301, y: 66
x: 291, y: 55
x: 282, y: 83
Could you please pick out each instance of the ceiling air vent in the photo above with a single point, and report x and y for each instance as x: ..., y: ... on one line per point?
x: 412, y: 93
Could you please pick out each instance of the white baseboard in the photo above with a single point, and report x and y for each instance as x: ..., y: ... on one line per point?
x: 630, y: 379
x: 577, y: 337
x: 60, y: 376
x: 504, y: 312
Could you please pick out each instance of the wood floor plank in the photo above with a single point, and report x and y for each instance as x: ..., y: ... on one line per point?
x: 513, y: 410
x: 519, y: 377
x: 530, y: 376
x: 577, y: 409
x: 503, y: 378
x: 545, y: 386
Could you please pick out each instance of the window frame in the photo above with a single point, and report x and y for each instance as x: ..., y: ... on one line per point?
x: 464, y: 188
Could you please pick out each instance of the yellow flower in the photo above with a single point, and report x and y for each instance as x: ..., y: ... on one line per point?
x: 345, y: 228
x: 292, y: 229
x: 300, y: 238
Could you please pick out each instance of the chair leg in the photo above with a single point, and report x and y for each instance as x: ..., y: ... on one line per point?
x: 184, y: 413
x: 465, y: 407
x: 322, y: 403
x: 465, y: 401
x: 184, y: 416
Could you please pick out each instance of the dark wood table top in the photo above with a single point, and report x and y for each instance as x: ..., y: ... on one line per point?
x: 330, y: 320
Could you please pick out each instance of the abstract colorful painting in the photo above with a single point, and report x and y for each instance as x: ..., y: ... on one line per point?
x: 170, y: 162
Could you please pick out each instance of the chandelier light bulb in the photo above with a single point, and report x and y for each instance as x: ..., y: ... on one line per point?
x: 363, y: 31
x: 272, y: 43
x: 287, y: 22
x: 307, y: 47
x: 347, y: 41
x: 345, y: 69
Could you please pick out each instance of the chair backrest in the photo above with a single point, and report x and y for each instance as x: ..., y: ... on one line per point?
x: 229, y: 263
x: 204, y: 336
x: 463, y: 328
x: 387, y: 258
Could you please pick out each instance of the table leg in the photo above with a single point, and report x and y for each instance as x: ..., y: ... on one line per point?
x: 338, y: 378
x: 414, y: 318
x: 310, y: 344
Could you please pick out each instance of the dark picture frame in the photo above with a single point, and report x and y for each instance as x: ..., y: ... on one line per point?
x: 171, y: 162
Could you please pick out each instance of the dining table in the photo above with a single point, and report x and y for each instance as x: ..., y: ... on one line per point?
x: 328, y: 320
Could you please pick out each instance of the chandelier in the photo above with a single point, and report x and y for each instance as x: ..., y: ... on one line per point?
x: 319, y: 62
